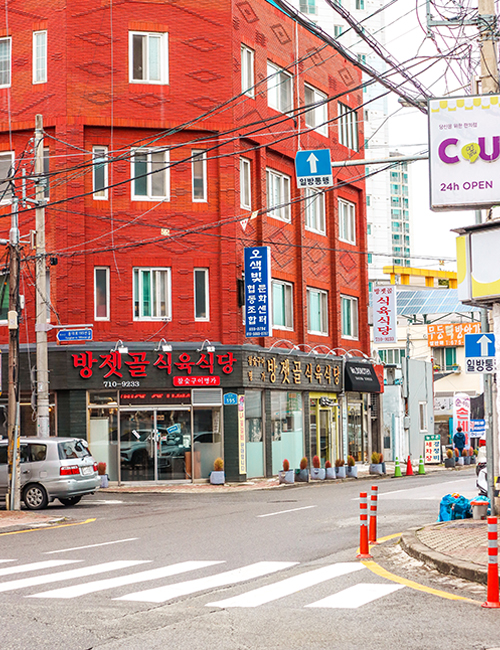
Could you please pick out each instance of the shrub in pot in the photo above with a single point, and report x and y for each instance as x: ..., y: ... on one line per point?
x: 466, y: 457
x: 329, y: 470
x: 458, y: 459
x: 339, y: 468
x: 352, y: 470
x: 101, y: 470
x: 302, y: 474
x: 472, y: 456
x: 217, y: 477
x: 317, y: 472
x: 287, y: 474
x: 376, y: 465
x: 449, y: 461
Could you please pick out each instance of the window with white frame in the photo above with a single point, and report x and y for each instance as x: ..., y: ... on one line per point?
x: 279, y: 88
x: 245, y: 184
x: 247, y: 71
x: 199, y: 171
x: 422, y: 416
x: 201, y: 295
x: 148, y: 57
x: 317, y: 116
x: 348, y: 127
x: 150, y: 176
x: 40, y: 57
x: 152, y: 294
x: 308, y: 6
x: 317, y: 311
x: 282, y: 293
x: 6, y: 171
x: 5, y: 61
x: 101, y: 293
x: 315, y: 210
x: 347, y: 221
x: 349, y: 317
x: 100, y: 172
x: 278, y: 195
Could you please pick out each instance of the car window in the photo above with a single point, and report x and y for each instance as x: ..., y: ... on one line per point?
x: 37, y: 452
x: 72, y: 449
x: 3, y: 454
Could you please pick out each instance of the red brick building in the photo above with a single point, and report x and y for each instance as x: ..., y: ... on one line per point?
x: 170, y: 135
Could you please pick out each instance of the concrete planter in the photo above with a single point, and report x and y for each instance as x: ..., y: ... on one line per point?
x: 302, y: 476
x: 340, y: 472
x: 376, y: 468
x: 104, y: 481
x: 466, y: 460
x: 287, y: 477
x: 352, y: 472
x: 318, y: 474
x: 460, y: 460
x: 330, y: 473
x: 217, y: 478
x: 472, y: 460
x: 449, y: 462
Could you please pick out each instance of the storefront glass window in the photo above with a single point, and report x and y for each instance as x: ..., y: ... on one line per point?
x: 103, y: 438
x: 207, y: 441
x: 286, y: 429
x: 254, y: 433
x: 355, y: 430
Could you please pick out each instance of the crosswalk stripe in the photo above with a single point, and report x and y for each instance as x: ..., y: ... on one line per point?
x: 142, y: 576
x: 356, y: 596
x: 68, y: 575
x: 289, y: 586
x: 168, y: 592
x: 2, y: 561
x: 35, y: 566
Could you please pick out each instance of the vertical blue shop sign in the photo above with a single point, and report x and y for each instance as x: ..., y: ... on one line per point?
x: 258, y: 291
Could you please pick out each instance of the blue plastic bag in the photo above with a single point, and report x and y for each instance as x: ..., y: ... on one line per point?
x: 454, y: 506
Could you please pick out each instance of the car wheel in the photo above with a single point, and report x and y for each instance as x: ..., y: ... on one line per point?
x: 35, y: 497
x: 70, y: 501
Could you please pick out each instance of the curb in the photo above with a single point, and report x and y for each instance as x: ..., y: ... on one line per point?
x: 443, y: 563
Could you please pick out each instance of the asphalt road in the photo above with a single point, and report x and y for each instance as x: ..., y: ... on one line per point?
x: 260, y: 569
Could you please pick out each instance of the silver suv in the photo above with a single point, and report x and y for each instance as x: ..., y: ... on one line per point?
x: 52, y: 468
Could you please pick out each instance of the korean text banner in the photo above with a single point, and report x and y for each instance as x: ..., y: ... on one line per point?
x: 464, y: 152
x: 384, y: 315
x: 258, y: 291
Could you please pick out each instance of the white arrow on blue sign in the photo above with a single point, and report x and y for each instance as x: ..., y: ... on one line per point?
x: 314, y: 168
x: 479, y: 345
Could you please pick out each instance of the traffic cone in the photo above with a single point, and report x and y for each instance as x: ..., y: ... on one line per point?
x: 421, y: 468
x: 397, y: 469
x: 409, y: 468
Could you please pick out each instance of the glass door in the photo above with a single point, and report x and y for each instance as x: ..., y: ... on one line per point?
x: 173, y: 444
x: 137, y: 445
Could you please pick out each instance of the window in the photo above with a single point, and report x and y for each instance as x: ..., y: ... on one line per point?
x: 247, y: 71
x: 368, y: 200
x: 422, y: 416
x: 315, y: 210
x: 370, y: 258
x: 317, y: 311
x: 349, y: 317
x: 201, y: 294
x: 369, y: 229
x: 391, y: 356
x: 308, y: 6
x: 100, y: 172
x: 347, y: 221
x: 150, y: 176
x: 362, y: 58
x: 152, y: 294
x: 39, y: 57
x: 395, y: 200
x: 445, y: 358
x: 6, y: 171
x: 245, y: 184
x: 199, y: 167
x: 316, y: 117
x: 282, y: 304
x: 337, y: 30
x: 279, y: 88
x: 360, y: 4
x: 278, y: 195
x: 348, y: 127
x: 5, y: 56
x: 101, y: 293
x: 148, y: 57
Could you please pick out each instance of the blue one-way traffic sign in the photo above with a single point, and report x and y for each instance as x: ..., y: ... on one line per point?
x: 480, y: 352
x: 314, y: 168
x: 69, y: 336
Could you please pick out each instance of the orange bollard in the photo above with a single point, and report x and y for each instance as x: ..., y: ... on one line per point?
x: 364, y: 551
x: 372, y: 532
x: 409, y: 468
x: 492, y: 596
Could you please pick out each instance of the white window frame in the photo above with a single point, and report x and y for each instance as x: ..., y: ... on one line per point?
x: 245, y: 183
x: 348, y: 127
x: 276, y: 77
x: 7, y: 84
x: 149, y: 196
x: 317, y: 116
x: 247, y: 71
x: 138, y: 271
x: 40, y: 57
x: 308, y: 7
x: 207, y: 295
x: 314, y: 207
x: 323, y: 316
x: 163, y: 58
x: 106, y: 270
x: 354, y: 317
x: 288, y: 304
x: 100, y: 157
x: 279, y: 183
x: 199, y: 155
x: 422, y: 417
x: 347, y: 221
x: 6, y: 194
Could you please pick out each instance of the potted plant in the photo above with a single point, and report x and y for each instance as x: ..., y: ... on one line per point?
x: 287, y: 474
x: 302, y: 474
x: 317, y: 472
x: 101, y: 470
x: 458, y: 459
x: 376, y: 465
x: 449, y: 461
x: 472, y: 456
x: 352, y: 470
x: 329, y: 470
x: 339, y: 468
x: 465, y: 456
x: 217, y: 477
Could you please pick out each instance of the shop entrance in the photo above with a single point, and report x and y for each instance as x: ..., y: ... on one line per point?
x: 323, y: 427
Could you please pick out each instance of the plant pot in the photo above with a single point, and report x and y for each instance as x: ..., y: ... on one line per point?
x: 466, y: 460
x: 340, y: 472
x: 317, y: 474
x: 286, y: 477
x: 383, y: 468
x: 352, y: 472
x: 376, y: 469
x: 302, y: 476
x: 104, y: 481
x: 472, y: 460
x: 460, y: 460
x: 217, y: 478
x: 449, y: 462
x: 330, y: 473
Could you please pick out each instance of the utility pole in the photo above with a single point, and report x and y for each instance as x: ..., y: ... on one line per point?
x: 42, y: 371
